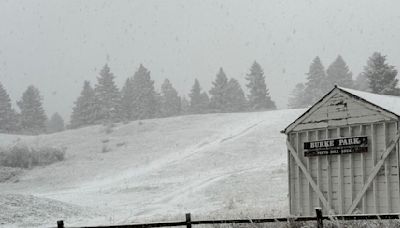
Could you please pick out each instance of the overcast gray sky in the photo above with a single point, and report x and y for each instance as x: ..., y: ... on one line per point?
x: 56, y: 45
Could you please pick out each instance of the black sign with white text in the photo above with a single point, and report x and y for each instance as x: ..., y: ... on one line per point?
x: 336, y: 146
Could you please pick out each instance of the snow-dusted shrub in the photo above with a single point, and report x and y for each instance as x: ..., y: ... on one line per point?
x: 25, y: 157
x: 47, y: 155
x: 16, y: 156
x: 9, y: 174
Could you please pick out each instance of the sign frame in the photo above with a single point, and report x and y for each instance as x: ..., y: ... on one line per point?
x: 336, y: 146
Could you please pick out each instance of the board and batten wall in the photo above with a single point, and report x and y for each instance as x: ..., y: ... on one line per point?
x: 341, y: 177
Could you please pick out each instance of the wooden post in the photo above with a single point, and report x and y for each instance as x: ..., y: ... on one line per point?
x: 60, y: 224
x: 188, y: 221
x: 318, y: 212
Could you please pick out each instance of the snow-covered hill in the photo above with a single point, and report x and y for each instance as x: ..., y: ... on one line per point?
x: 163, y: 168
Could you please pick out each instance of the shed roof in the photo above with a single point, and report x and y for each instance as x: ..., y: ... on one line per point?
x: 388, y: 103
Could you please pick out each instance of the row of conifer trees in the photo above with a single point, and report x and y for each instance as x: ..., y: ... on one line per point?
x: 377, y: 77
x: 137, y: 99
x: 31, y: 119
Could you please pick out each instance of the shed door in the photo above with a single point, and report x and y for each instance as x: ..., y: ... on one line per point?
x: 347, y: 183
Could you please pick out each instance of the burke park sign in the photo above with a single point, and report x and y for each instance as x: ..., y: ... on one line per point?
x: 336, y: 146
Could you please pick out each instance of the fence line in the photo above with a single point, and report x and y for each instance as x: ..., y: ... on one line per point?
x: 188, y: 221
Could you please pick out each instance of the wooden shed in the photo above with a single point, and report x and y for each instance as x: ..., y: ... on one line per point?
x: 343, y: 155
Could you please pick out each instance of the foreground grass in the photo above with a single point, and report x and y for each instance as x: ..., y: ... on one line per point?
x: 328, y: 224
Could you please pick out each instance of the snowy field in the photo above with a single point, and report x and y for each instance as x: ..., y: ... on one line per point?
x: 223, y: 165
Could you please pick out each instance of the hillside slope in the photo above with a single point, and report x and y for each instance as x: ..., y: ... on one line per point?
x: 224, y: 163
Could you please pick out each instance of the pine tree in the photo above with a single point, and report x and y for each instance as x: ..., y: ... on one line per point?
x: 33, y: 117
x: 107, y: 97
x: 204, y: 102
x: 8, y: 116
x: 236, y: 100
x: 381, y: 76
x: 185, y: 106
x: 298, y: 98
x: 127, y: 94
x: 83, y: 113
x: 158, y: 105
x: 315, y: 86
x: 199, y: 101
x: 338, y: 73
x: 218, y: 99
x: 259, y: 98
x: 170, y: 101
x: 362, y: 83
x: 55, y: 124
x: 143, y: 98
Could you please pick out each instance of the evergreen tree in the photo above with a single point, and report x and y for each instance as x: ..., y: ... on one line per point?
x: 362, y: 83
x: 185, y: 106
x: 381, y: 76
x: 127, y: 93
x: 315, y: 86
x: 236, y: 101
x: 8, y: 116
x: 298, y: 98
x: 338, y: 73
x: 199, y: 101
x: 83, y: 113
x: 170, y: 101
x: 204, y: 103
x: 259, y: 98
x: 33, y: 117
x: 55, y: 124
x: 107, y: 97
x: 143, y: 97
x: 218, y: 99
x: 158, y: 105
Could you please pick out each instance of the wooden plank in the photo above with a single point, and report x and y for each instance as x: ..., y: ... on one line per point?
x: 340, y: 178
x: 309, y: 192
x: 398, y: 162
x: 387, y: 174
x: 292, y: 174
x: 290, y: 186
x: 351, y: 157
x: 364, y: 198
x: 374, y: 185
x: 374, y: 172
x: 308, y: 177
x: 329, y: 172
x: 319, y: 170
x: 299, y: 188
